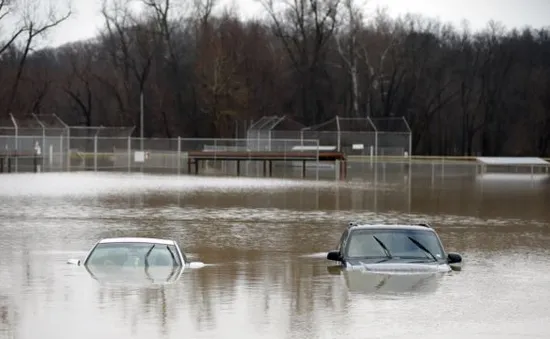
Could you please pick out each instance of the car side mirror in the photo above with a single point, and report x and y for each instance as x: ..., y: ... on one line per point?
x: 334, y: 255
x: 454, y: 258
x: 73, y: 262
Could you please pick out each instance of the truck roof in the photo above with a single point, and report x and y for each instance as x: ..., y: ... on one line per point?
x: 419, y: 227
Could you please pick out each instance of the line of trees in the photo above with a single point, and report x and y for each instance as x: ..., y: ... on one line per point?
x: 462, y: 92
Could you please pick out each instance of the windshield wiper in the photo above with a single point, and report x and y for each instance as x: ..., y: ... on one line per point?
x: 383, y: 246
x: 146, y: 261
x: 422, y: 247
x: 172, y: 255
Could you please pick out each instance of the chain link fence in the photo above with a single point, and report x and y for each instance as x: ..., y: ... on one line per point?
x: 169, y: 156
x: 372, y: 137
x: 22, y: 139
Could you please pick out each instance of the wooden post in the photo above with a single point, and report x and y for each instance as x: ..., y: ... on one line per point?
x: 196, y: 166
x: 303, y: 169
x: 9, y: 164
x: 265, y: 167
x: 238, y: 168
x: 270, y: 168
x: 2, y: 165
x: 189, y: 165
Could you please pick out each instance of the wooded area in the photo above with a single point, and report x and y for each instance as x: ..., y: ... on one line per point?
x: 462, y: 92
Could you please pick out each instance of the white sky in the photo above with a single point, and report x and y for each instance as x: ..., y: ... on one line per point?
x: 512, y: 13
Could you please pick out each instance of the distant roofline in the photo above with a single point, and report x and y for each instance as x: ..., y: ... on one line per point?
x: 137, y: 240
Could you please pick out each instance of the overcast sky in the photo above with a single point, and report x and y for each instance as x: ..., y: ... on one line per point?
x: 512, y: 13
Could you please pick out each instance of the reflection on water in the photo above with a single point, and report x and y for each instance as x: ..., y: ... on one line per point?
x: 135, y: 276
x: 265, y: 239
x: 400, y: 284
x: 365, y: 282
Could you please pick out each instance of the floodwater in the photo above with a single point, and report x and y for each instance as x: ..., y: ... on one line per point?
x: 264, y: 241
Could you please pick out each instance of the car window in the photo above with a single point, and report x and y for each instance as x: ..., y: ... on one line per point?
x: 362, y: 243
x: 342, y: 242
x: 163, y: 256
x: 134, y: 254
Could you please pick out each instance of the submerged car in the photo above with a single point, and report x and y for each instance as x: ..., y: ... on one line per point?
x: 385, y: 248
x: 136, y: 252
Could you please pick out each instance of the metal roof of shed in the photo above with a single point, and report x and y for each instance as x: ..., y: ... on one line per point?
x: 512, y: 161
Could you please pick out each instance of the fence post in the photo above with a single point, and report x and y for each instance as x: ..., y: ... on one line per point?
x: 317, y: 162
x: 213, y: 163
x: 443, y: 167
x: 178, y: 156
x: 410, y: 148
x: 43, y: 164
x: 376, y: 147
x: 50, y: 158
x: 16, y: 142
x: 16, y: 155
x: 371, y: 154
x: 61, y: 154
x: 129, y: 154
x: 68, y: 149
x: 95, y: 152
x: 37, y: 153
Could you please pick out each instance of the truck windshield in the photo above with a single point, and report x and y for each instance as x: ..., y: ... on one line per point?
x: 396, y: 243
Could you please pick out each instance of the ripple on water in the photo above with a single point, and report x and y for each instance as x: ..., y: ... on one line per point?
x: 87, y: 184
x: 86, y: 209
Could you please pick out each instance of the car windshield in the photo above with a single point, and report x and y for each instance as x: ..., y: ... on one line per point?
x: 395, y: 243
x: 134, y: 254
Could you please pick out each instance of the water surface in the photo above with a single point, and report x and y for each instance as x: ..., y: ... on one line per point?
x: 265, y: 240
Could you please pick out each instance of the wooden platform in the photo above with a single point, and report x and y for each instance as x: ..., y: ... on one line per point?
x: 259, y: 156
x: 194, y: 158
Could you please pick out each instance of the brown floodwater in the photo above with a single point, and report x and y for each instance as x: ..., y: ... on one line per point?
x: 264, y: 241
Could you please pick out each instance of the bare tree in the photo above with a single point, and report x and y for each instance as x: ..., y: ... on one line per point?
x: 131, y: 47
x: 202, y: 72
x: 380, y: 58
x: 346, y: 38
x: 33, y: 22
x: 305, y: 28
x: 7, y: 13
x: 494, y: 76
x: 78, y: 82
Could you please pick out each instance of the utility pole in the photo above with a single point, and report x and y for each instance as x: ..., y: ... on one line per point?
x: 141, y: 118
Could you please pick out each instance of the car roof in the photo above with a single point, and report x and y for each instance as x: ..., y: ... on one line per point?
x: 137, y: 240
x: 418, y: 227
